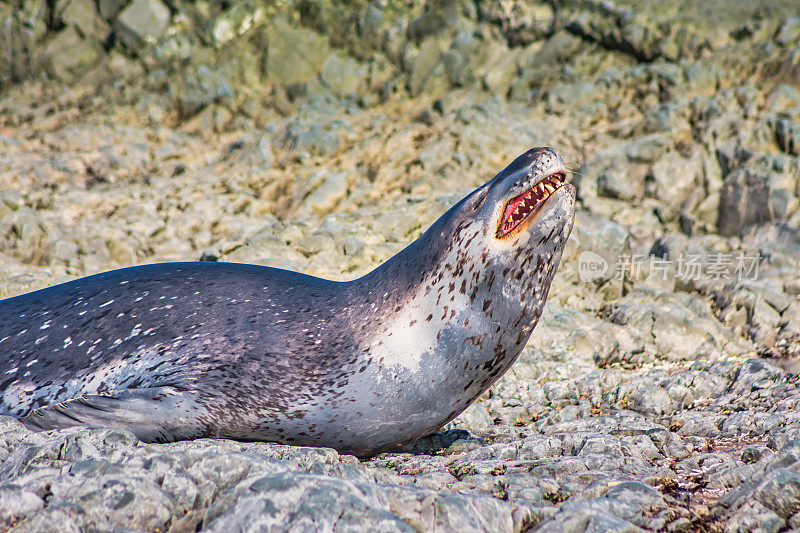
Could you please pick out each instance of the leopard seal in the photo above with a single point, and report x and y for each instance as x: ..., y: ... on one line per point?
x: 185, y: 350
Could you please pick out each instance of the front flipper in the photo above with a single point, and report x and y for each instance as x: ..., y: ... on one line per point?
x: 158, y: 414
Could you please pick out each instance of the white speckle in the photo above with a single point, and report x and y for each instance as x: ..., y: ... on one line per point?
x: 40, y: 339
x: 32, y: 361
x: 317, y: 341
x: 135, y: 331
x: 82, y: 343
x: 12, y: 370
x: 121, y: 314
x: 64, y: 326
x: 123, y: 282
x: 161, y: 297
x: 117, y: 342
x: 45, y: 325
x: 107, y: 303
x: 4, y: 338
x: 82, y: 313
x: 67, y: 341
x: 98, y: 340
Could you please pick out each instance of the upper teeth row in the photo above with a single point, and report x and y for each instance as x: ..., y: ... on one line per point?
x: 543, y: 186
x: 546, y: 185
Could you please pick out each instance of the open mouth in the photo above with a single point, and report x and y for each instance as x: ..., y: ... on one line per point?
x: 518, y: 208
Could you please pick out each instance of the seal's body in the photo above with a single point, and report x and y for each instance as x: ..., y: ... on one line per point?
x: 183, y: 350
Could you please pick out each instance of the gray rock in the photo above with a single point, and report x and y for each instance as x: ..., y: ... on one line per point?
x: 427, y: 24
x: 675, y: 178
x: 474, y: 418
x: 678, y: 327
x: 343, y: 75
x: 427, y: 59
x: 301, y: 501
x: 235, y: 21
x: 294, y: 54
x: 24, y: 233
x: 761, y: 189
x: 789, y: 31
x: 784, y: 99
x: 651, y: 400
x: 82, y: 14
x: 780, y: 492
x: 141, y: 23
x: 787, y: 133
x: 328, y: 192
x: 311, y: 138
x: 613, y: 183
x: 69, y: 54
x: 522, y: 22
x: 109, y: 9
x: 17, y: 503
x: 502, y: 71
x: 66, y: 252
x: 605, y: 238
x: 199, y: 88
x: 752, y: 372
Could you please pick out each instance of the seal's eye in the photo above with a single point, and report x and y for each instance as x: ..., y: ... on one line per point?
x: 519, y: 207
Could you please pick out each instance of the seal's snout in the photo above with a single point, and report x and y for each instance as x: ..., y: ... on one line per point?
x: 521, y: 206
x: 530, y: 181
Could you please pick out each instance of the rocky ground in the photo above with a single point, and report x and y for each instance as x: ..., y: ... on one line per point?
x: 660, y: 389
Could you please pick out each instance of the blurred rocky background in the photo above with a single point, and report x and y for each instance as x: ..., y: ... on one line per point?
x: 660, y: 389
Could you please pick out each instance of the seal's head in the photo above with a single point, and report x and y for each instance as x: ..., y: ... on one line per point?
x: 531, y: 189
x: 526, y: 205
x: 495, y: 252
x: 524, y: 216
